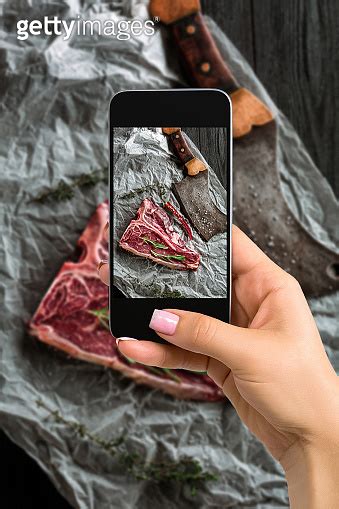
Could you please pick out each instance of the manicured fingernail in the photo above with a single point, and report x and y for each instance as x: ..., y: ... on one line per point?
x: 106, y: 227
x: 164, y: 322
x: 124, y: 339
x: 101, y: 263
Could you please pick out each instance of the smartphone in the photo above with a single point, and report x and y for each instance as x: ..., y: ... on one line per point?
x: 170, y: 194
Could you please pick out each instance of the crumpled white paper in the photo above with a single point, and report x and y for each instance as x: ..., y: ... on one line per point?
x: 54, y: 121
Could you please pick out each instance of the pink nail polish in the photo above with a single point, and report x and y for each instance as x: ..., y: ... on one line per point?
x: 164, y: 322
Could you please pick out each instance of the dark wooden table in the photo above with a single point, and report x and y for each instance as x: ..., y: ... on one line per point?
x: 293, y: 47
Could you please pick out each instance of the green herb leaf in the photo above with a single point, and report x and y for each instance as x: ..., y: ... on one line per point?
x: 169, y: 257
x: 154, y: 244
x: 102, y: 316
x: 172, y: 375
x: 185, y: 471
x: 64, y: 191
x: 100, y: 313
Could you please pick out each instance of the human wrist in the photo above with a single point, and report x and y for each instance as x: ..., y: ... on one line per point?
x: 311, y: 463
x: 312, y: 472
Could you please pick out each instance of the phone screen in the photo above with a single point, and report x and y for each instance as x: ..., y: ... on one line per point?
x: 169, y: 229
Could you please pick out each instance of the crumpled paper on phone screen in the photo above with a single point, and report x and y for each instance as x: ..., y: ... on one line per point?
x: 54, y: 98
x: 144, y: 167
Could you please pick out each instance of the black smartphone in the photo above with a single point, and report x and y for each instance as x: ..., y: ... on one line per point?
x: 170, y: 206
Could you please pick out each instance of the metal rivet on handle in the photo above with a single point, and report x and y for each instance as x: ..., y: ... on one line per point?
x: 177, y: 136
x: 205, y: 67
x: 182, y: 150
x: 190, y: 29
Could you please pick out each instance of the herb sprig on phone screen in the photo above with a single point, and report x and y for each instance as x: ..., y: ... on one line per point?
x: 168, y: 257
x: 153, y: 243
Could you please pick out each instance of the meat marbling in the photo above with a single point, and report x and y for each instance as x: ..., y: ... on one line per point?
x: 64, y: 321
x: 153, y: 224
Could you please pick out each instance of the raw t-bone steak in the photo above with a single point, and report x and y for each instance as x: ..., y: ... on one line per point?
x: 151, y: 235
x: 65, y: 320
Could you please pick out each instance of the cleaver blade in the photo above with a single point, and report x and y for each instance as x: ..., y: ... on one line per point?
x: 193, y: 196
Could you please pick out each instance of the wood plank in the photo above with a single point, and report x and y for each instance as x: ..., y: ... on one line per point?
x: 211, y: 143
x: 296, y: 55
x: 293, y: 47
x: 235, y: 19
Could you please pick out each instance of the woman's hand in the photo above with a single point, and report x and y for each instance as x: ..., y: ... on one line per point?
x: 270, y: 363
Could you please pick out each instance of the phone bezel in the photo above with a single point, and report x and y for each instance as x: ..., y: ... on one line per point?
x: 203, y: 108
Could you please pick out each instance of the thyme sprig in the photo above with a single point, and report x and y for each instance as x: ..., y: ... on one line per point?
x: 167, y: 294
x: 185, y: 471
x: 153, y: 243
x: 65, y: 191
x: 169, y: 257
x: 160, y: 188
x: 111, y: 446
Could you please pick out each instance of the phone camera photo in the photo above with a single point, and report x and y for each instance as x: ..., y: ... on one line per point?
x: 169, y: 212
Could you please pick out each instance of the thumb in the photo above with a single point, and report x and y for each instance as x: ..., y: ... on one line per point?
x: 202, y: 334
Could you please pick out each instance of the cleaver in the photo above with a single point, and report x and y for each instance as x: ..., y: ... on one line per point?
x: 192, y: 192
x: 260, y: 209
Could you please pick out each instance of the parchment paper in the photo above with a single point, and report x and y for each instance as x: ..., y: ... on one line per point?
x: 142, y: 160
x: 53, y: 125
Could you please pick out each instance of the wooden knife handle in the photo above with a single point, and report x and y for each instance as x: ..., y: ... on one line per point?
x: 180, y: 148
x: 169, y: 11
x: 204, y: 64
x: 206, y: 68
x: 200, y: 55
